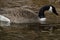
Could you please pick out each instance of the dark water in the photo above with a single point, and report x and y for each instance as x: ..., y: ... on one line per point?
x: 30, y: 31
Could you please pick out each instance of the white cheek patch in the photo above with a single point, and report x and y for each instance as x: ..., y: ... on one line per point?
x: 42, y: 20
x: 50, y: 9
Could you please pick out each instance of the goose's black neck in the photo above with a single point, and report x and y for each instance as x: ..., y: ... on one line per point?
x: 42, y: 10
x: 41, y: 14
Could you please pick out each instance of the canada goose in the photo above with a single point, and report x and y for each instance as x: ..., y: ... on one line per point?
x: 41, y: 14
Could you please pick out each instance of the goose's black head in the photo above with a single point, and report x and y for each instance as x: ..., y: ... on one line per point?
x: 47, y: 8
x: 53, y: 10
